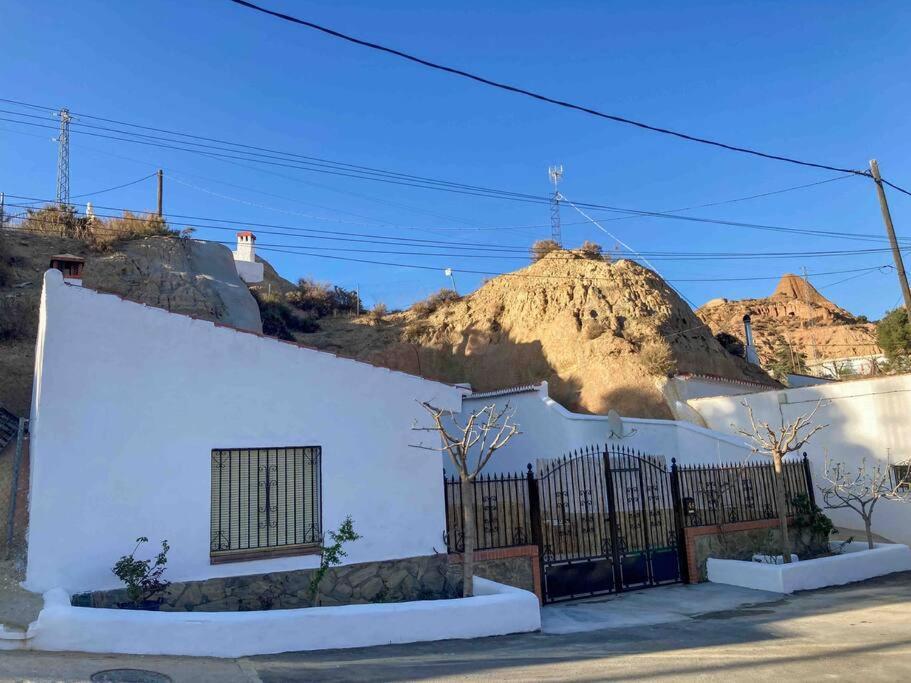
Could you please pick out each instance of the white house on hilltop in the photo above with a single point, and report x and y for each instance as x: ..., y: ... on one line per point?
x: 249, y: 269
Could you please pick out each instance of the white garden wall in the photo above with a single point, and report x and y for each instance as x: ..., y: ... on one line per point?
x: 494, y: 610
x: 549, y: 430
x: 867, y: 419
x: 855, y: 562
x: 130, y: 400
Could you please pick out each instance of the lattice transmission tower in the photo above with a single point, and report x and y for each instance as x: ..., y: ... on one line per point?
x: 63, y: 159
x: 555, y: 173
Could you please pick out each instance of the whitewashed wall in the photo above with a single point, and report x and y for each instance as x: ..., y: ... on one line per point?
x: 130, y: 400
x: 549, y: 430
x: 867, y: 419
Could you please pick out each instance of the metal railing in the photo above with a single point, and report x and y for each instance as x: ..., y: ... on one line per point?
x: 728, y: 493
x: 502, y: 511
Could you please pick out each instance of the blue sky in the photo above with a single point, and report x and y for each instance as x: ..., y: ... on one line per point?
x: 824, y: 81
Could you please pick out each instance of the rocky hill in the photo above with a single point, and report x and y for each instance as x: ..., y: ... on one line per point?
x: 602, y: 334
x: 798, y: 312
x: 181, y: 275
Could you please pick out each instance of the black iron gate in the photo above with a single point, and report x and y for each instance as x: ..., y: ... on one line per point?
x: 607, y: 523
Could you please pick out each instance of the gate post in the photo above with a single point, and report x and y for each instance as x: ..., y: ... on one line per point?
x: 537, y: 534
x: 682, y: 550
x: 612, y: 522
x: 809, y: 479
x: 534, y: 508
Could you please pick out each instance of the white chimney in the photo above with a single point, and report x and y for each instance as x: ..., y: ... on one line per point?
x: 245, y: 247
x: 750, y: 348
x: 248, y: 268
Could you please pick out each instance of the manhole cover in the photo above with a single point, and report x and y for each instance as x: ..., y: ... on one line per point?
x: 129, y: 676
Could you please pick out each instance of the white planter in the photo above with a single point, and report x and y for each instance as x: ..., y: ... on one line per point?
x: 494, y: 610
x: 856, y: 563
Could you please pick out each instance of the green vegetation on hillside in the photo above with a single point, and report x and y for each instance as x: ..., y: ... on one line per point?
x: 893, y: 334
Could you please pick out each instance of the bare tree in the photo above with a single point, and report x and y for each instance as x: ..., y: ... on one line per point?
x: 470, y: 447
x: 862, y: 490
x: 776, y: 443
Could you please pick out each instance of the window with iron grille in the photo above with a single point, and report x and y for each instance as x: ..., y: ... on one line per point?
x: 265, y: 502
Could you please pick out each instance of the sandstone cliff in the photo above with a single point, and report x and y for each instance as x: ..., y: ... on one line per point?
x: 594, y: 330
x: 798, y: 312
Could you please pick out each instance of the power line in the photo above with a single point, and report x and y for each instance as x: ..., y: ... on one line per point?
x: 472, y: 255
x: 504, y: 250
x: 480, y: 191
x: 116, y: 187
x: 375, y: 171
x: 539, y: 96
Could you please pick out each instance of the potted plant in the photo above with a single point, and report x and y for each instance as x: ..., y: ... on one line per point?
x: 143, y: 577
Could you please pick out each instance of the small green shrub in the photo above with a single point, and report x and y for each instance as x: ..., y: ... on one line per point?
x: 321, y: 299
x: 143, y: 577
x: 332, y: 555
x: 279, y: 319
x: 809, y: 516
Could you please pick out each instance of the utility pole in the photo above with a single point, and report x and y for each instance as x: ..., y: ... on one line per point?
x: 806, y: 300
x: 2, y: 210
x: 555, y: 173
x: 160, y: 191
x: 63, y: 159
x: 357, y: 300
x: 890, y: 230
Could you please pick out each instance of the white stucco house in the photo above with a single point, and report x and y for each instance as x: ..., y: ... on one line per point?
x: 548, y: 430
x: 238, y: 449
x: 867, y: 420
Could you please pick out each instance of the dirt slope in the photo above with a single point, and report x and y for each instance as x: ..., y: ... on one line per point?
x: 184, y: 276
x: 796, y: 310
x: 580, y: 324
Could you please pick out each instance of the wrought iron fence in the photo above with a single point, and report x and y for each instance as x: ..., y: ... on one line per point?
x: 727, y: 493
x: 502, y: 511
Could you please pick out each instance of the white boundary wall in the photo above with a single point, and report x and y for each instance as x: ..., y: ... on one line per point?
x: 130, y: 400
x: 857, y: 563
x: 867, y: 419
x: 549, y: 430
x: 494, y: 610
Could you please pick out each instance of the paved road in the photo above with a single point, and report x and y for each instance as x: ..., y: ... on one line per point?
x: 857, y: 632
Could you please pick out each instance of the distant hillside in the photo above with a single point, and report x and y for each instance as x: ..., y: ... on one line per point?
x: 603, y: 335
x: 796, y: 310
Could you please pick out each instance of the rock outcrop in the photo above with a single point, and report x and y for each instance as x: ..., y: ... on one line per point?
x: 796, y: 311
x: 600, y: 333
x: 183, y: 276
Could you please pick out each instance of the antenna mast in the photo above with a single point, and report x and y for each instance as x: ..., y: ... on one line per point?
x: 555, y: 173
x: 63, y: 159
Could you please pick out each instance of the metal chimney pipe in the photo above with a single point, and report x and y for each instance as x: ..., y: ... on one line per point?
x: 750, y: 348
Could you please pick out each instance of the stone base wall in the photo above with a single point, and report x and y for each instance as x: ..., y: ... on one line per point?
x: 428, y: 577
x: 517, y: 567
x: 741, y: 540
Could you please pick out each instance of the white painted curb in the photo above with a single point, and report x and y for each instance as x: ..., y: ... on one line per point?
x: 494, y: 610
x: 857, y: 563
